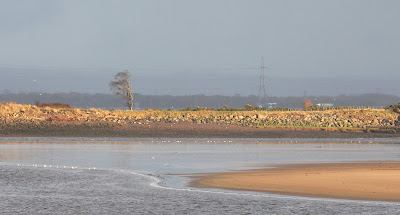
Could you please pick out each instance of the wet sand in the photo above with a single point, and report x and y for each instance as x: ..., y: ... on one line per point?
x: 361, y: 181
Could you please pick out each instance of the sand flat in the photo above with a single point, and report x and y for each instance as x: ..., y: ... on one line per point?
x: 363, y: 181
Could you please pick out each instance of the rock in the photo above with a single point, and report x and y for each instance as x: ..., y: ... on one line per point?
x: 261, y: 116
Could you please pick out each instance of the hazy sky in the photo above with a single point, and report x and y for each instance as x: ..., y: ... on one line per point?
x: 201, y: 47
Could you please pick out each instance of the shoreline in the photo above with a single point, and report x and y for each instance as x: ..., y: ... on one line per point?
x: 376, y: 181
x: 195, y: 140
x: 177, y: 130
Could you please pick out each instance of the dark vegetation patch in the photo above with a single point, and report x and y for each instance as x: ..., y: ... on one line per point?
x: 54, y: 105
x: 395, y: 108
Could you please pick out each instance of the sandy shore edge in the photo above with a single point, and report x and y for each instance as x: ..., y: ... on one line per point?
x: 378, y: 181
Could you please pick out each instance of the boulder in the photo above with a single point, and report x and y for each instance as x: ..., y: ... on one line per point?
x: 261, y: 116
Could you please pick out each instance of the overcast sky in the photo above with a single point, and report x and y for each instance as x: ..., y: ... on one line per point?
x: 201, y: 47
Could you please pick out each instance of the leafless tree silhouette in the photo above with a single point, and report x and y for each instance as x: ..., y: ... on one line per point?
x: 122, y: 86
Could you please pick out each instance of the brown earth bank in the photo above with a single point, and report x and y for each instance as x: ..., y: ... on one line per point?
x: 31, y: 120
x: 176, y: 130
x: 360, y: 181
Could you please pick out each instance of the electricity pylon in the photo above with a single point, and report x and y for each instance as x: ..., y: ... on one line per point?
x: 261, y: 89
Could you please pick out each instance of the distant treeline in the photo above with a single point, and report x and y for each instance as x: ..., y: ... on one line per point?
x: 108, y: 101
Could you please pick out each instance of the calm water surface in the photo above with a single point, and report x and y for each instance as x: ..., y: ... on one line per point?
x: 147, y: 162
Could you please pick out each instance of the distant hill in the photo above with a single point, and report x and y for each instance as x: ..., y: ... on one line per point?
x: 108, y: 101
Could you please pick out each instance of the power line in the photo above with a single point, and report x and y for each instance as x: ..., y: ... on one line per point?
x: 151, y: 68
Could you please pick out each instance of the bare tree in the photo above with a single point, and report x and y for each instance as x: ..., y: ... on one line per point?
x: 122, y: 86
x: 307, y: 104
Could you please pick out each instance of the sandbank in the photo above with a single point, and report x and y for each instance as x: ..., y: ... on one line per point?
x: 379, y: 181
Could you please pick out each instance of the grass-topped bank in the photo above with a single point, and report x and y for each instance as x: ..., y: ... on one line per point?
x: 17, y: 119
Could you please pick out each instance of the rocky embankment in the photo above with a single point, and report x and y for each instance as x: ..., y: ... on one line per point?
x: 30, y: 117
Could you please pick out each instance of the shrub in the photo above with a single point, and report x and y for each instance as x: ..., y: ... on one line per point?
x: 307, y: 105
x: 54, y: 105
x: 226, y: 108
x: 280, y: 109
x: 394, y: 108
x: 248, y: 107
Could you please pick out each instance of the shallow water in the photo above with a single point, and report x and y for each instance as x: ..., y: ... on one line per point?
x: 29, y: 190
x: 122, y: 181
